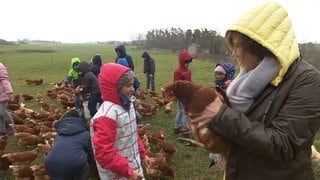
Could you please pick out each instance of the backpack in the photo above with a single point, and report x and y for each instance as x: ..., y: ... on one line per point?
x: 123, y: 61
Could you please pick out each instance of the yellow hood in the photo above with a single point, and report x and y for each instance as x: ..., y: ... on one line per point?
x: 269, y: 25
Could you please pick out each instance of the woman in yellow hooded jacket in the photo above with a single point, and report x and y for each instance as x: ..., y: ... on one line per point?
x: 274, y: 111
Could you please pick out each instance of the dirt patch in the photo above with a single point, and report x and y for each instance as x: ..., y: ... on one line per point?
x: 26, y: 51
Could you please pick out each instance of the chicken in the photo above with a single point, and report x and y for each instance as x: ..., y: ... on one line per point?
x: 27, y: 97
x: 195, y: 98
x: 142, y: 130
x: 21, y: 171
x: 28, y: 81
x: 45, y: 147
x: 166, y: 147
x: 78, y: 90
x: 3, y: 142
x: 159, y: 169
x: 35, y: 82
x: 13, y: 107
x: 28, y: 139
x: 4, y: 163
x: 152, y: 93
x: 22, y: 128
x: 40, y: 172
x: 15, y: 99
x: 168, y: 107
x: 159, y: 100
x: 39, y: 97
x: 22, y: 157
x: 157, y: 134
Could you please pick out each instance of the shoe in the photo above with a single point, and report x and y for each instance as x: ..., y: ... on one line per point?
x: 185, y: 132
x: 176, y: 130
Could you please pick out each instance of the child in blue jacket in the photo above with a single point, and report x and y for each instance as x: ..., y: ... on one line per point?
x: 71, y: 154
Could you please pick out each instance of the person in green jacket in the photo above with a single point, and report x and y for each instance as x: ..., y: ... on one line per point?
x: 73, y: 79
x: 274, y: 111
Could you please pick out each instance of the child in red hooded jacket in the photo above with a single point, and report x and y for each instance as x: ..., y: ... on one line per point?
x: 182, y: 72
x: 118, y: 150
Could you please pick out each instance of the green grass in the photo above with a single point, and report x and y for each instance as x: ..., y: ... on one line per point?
x: 52, y: 66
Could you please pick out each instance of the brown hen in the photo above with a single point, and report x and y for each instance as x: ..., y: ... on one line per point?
x: 28, y: 138
x: 195, y: 98
x: 22, y: 157
x: 21, y: 171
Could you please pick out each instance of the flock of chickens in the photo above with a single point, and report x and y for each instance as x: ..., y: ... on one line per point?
x: 34, y: 131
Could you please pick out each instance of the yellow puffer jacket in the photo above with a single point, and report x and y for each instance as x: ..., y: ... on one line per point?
x: 270, y: 26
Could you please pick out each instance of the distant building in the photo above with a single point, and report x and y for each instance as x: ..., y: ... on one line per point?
x: 194, y: 48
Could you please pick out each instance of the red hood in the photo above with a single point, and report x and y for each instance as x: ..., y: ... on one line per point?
x: 108, y: 79
x: 183, y: 56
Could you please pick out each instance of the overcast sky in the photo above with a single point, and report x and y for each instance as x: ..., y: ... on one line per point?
x: 104, y: 20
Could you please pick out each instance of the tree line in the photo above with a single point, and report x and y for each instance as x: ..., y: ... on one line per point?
x: 176, y: 39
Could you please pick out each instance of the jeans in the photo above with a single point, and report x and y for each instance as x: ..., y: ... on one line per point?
x: 77, y: 101
x: 5, y: 117
x: 150, y: 81
x: 181, y: 119
x: 92, y: 104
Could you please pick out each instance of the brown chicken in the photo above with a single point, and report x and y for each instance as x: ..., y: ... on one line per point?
x: 166, y: 147
x: 40, y: 172
x: 168, y: 107
x: 28, y: 138
x: 27, y: 97
x: 22, y: 128
x: 4, y: 163
x: 15, y: 99
x: 45, y: 147
x: 21, y: 157
x: 195, y: 98
x: 157, y: 134
x: 35, y: 82
x: 142, y: 129
x: 3, y: 142
x: 21, y: 171
x: 159, y: 169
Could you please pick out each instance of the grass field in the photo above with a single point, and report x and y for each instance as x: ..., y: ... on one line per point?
x: 51, y: 62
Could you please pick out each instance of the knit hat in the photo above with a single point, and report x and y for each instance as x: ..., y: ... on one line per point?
x: 219, y: 68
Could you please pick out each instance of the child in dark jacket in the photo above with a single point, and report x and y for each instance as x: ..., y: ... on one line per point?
x: 71, y: 153
x: 96, y: 63
x: 122, y: 54
x: 148, y: 70
x: 90, y: 86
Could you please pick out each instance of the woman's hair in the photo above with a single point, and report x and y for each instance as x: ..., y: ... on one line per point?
x: 249, y: 44
x: 125, y: 79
